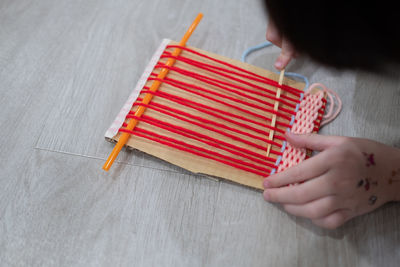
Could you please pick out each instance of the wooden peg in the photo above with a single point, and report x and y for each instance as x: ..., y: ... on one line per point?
x: 276, y: 106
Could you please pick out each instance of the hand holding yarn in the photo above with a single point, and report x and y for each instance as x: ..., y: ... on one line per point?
x: 348, y: 178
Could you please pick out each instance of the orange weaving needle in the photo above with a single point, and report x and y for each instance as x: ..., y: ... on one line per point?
x: 273, y: 121
x: 147, y: 98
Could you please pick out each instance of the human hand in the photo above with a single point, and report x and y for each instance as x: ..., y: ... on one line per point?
x: 349, y: 177
x: 287, y: 52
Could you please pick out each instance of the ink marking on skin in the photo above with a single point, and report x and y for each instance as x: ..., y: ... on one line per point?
x: 370, y: 159
x: 372, y: 199
x: 366, y: 186
x: 392, y: 179
x: 367, y: 182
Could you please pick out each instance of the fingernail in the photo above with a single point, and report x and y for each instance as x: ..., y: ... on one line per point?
x: 266, y: 183
x: 278, y: 64
x: 266, y: 196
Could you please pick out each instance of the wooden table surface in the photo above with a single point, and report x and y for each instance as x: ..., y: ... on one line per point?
x: 66, y: 68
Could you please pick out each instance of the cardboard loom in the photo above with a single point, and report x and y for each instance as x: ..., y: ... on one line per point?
x: 189, y: 161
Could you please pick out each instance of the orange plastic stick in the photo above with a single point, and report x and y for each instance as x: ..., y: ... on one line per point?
x: 147, y: 98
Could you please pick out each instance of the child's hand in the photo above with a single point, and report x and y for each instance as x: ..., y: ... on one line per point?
x: 349, y: 177
x: 287, y: 52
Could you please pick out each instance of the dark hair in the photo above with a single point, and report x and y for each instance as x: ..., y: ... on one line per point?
x: 342, y: 34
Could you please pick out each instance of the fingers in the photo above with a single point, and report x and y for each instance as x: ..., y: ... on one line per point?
x: 315, y: 209
x: 333, y: 220
x: 312, y: 141
x: 287, y: 53
x: 308, y: 169
x: 276, y: 38
x: 301, y: 193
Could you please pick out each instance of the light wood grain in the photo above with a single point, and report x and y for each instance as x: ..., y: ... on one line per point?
x: 65, y: 69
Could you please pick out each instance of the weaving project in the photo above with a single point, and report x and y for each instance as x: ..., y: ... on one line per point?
x: 214, y: 115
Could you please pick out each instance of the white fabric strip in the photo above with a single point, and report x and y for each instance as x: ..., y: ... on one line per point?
x: 119, y: 120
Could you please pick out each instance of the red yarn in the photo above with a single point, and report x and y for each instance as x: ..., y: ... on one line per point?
x: 225, y: 118
x: 230, y: 114
x: 203, y: 66
x: 195, y: 150
x: 206, y: 109
x: 223, y: 125
x: 266, y: 80
x: 278, y: 123
x: 184, y: 86
x: 239, y: 151
x: 225, y: 85
x: 241, y: 85
x: 202, y: 125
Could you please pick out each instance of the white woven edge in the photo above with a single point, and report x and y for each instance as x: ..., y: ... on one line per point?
x: 119, y: 120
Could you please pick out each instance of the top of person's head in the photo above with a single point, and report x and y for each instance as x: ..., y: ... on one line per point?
x: 342, y: 34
